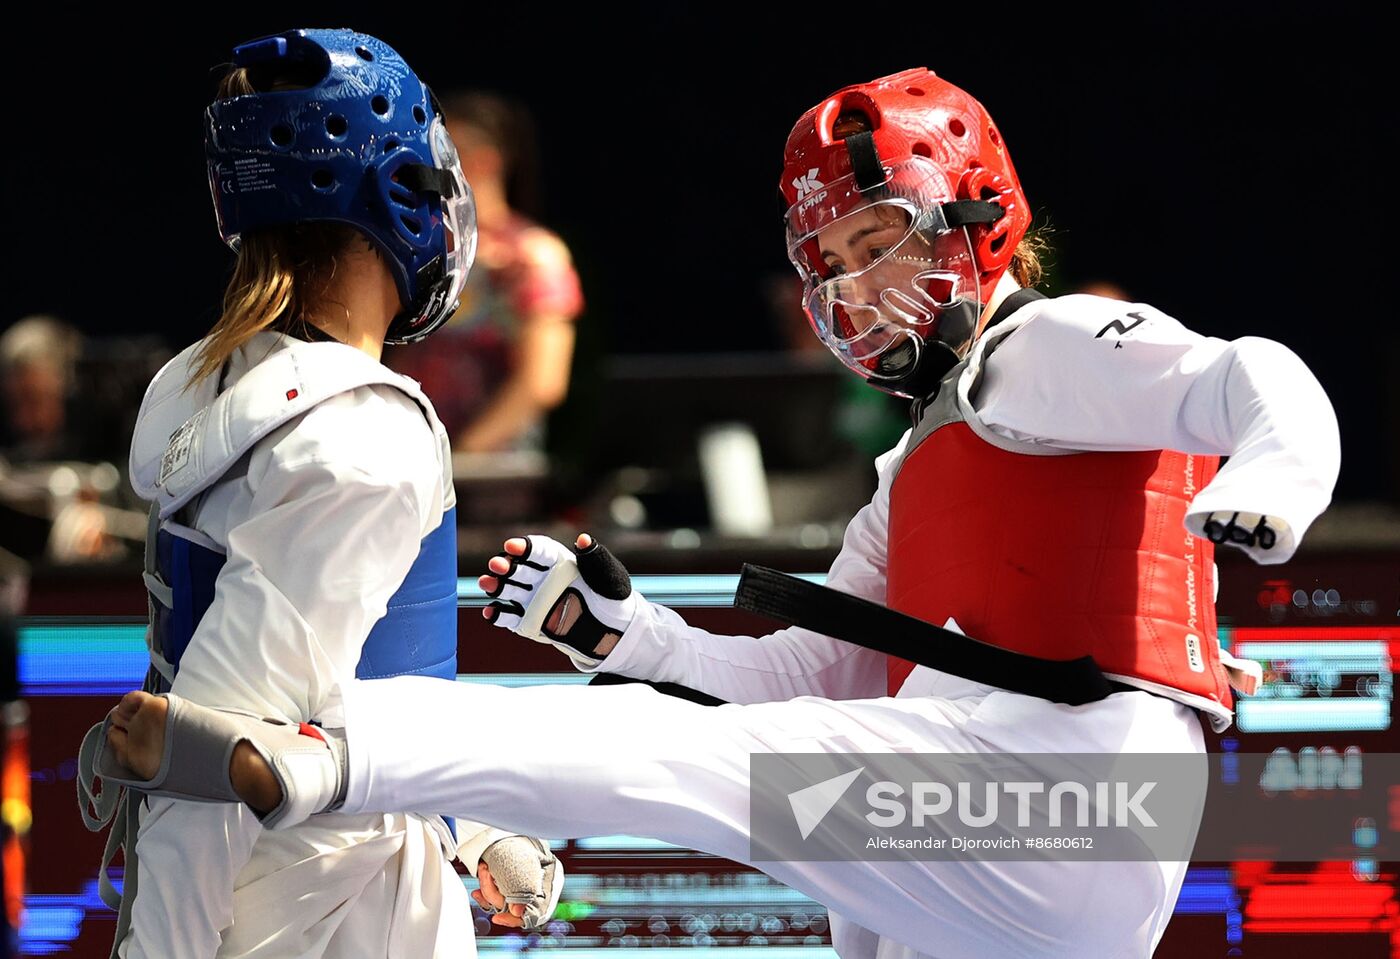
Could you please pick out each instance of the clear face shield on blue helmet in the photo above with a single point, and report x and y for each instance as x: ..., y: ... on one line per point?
x: 459, y: 229
x: 886, y: 277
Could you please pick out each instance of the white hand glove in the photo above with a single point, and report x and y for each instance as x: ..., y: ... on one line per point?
x: 571, y: 599
x: 524, y: 872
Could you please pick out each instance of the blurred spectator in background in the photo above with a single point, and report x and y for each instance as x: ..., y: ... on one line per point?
x: 502, y: 361
x: 67, y: 408
x: 38, y: 359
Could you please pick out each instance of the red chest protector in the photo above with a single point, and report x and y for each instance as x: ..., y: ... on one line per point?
x: 1059, y: 557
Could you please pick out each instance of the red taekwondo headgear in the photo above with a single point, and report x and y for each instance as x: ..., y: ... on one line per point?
x: 903, y: 212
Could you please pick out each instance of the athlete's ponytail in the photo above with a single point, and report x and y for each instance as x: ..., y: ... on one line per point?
x: 1027, y: 263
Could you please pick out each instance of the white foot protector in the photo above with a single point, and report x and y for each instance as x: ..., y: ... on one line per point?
x: 308, y: 762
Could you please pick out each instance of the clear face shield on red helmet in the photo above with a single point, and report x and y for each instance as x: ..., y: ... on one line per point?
x: 887, y: 280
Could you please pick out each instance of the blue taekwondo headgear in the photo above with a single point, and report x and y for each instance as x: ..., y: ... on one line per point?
x: 360, y: 140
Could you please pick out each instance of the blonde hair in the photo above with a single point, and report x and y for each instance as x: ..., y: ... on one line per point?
x: 1028, y: 262
x: 280, y: 271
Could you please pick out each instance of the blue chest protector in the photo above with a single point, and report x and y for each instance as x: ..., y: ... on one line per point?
x: 417, y: 635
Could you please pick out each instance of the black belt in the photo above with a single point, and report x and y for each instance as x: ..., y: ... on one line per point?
x: 831, y: 612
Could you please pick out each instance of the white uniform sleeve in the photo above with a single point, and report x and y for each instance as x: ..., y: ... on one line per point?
x: 338, y: 503
x: 662, y: 647
x: 1087, y: 373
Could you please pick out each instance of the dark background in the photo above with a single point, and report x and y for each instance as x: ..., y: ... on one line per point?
x: 1228, y: 163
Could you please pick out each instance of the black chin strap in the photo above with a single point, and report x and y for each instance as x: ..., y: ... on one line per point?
x: 935, y: 364
x: 924, y: 379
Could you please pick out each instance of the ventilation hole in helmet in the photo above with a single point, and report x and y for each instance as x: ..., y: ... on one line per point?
x: 322, y: 179
x: 336, y: 125
x: 419, y: 115
x: 282, y: 135
x: 380, y: 105
x: 923, y: 150
x: 994, y: 136
x: 988, y: 193
x: 850, y: 122
x: 390, y: 145
x: 365, y: 54
x: 998, y: 243
x: 955, y: 127
x: 412, y: 224
x: 914, y: 91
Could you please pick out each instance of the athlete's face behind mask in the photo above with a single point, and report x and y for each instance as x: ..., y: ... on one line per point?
x: 863, y: 248
x: 880, y: 289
